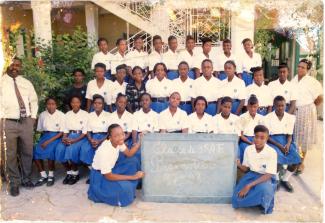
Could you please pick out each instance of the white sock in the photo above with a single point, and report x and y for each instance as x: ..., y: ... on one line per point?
x: 43, y: 174
x: 69, y: 172
x: 277, y: 177
x: 51, y: 173
x: 75, y: 172
x: 287, y: 176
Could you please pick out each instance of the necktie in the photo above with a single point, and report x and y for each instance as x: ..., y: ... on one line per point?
x: 22, y: 108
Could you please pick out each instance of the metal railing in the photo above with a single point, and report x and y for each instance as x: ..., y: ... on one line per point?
x: 141, y: 9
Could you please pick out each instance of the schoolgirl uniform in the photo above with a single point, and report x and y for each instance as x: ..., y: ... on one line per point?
x: 115, y: 89
x: 92, y: 89
x: 137, y: 58
x: 50, y: 125
x: 154, y: 58
x: 210, y: 89
x: 173, y: 123
x: 262, y: 194
x: 75, y: 125
x: 186, y: 90
x: 285, y: 90
x: 203, y: 125
x: 199, y: 57
x: 160, y: 92
x: 263, y: 94
x: 125, y: 122
x: 246, y: 63
x: 106, y: 160
x: 117, y: 59
x: 226, y: 126
x: 171, y: 60
x: 235, y: 89
x: 220, y: 64
x: 190, y: 59
x: 279, y: 129
x: 247, y: 124
x: 101, y: 57
x: 97, y: 127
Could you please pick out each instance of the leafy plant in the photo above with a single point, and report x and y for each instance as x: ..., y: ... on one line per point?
x: 263, y: 39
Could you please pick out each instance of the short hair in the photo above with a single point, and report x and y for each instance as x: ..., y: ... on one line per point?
x: 101, y: 39
x: 278, y: 98
x: 308, y: 62
x: 170, y: 38
x: 252, y: 100
x: 226, y: 41
x: 137, y: 68
x: 231, y: 62
x: 98, y: 96
x: 206, y: 60
x: 202, y: 99
x: 283, y: 65
x: 119, y: 40
x: 206, y: 40
x: 256, y: 69
x: 100, y: 65
x: 120, y: 95
x: 75, y: 96
x: 183, y: 63
x: 175, y: 92
x: 121, y: 67
x: 50, y: 98
x: 156, y: 37
x: 157, y: 64
x: 78, y: 70
x: 145, y: 94
x: 189, y: 37
x: 246, y: 40
x: 111, y: 127
x: 138, y: 37
x: 226, y: 100
x: 17, y: 58
x: 261, y: 128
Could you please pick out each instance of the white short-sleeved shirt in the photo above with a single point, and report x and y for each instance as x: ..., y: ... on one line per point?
x: 98, y: 123
x: 137, y: 58
x: 222, y: 59
x: 210, y: 89
x: 246, y: 62
x: 51, y: 122
x: 263, y: 162
x: 173, y: 123
x: 101, y: 57
x: 226, y: 126
x: 158, y: 88
x: 106, y: 156
x: 125, y: 121
x: 199, y: 57
x: 153, y: 58
x: 235, y: 88
x: 76, y: 121
x: 263, y: 94
x: 205, y: 124
x: 186, y: 56
x: 116, y: 88
x: 308, y: 89
x: 277, y: 126
x: 247, y: 123
x: 117, y: 59
x: 185, y: 89
x: 171, y: 59
x: 286, y: 90
x: 145, y: 121
x: 92, y: 89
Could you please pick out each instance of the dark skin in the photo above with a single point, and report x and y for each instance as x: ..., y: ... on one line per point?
x: 252, y: 109
x: 226, y: 109
x: 160, y: 72
x: 78, y: 82
x: 206, y: 49
x: 248, y: 47
x: 226, y: 47
x: 51, y: 108
x: 103, y: 46
x: 120, y: 109
x: 137, y: 77
x: 200, y: 107
x: 183, y: 70
x: 283, y: 77
x: 172, y: 45
x: 259, y: 81
x: 157, y: 45
x: 260, y: 140
x: 120, y: 75
x: 100, y: 79
x: 117, y: 137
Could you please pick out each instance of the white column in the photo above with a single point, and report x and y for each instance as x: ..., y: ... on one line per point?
x: 242, y: 25
x: 91, y: 12
x: 42, y: 20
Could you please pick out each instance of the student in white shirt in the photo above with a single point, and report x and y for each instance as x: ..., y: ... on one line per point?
x: 247, y: 123
x: 118, y: 86
x: 283, y: 87
x: 309, y: 95
x: 185, y: 87
x: 114, y: 180
x: 205, y: 54
x: 170, y: 58
x: 281, y: 125
x: 248, y: 60
x: 156, y: 55
x: 173, y: 119
x: 137, y: 57
x: 50, y: 124
x: 188, y: 55
x: 257, y: 186
x: 199, y: 121
x: 67, y: 152
x: 159, y: 88
x: 100, y: 86
x: 103, y: 56
x: 261, y: 91
x: 119, y: 57
x: 225, y: 56
x: 233, y: 87
x: 208, y: 86
x: 225, y: 122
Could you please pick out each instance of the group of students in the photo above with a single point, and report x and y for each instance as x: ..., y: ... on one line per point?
x: 107, y: 118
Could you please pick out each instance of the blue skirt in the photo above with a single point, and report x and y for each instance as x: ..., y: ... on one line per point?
x: 187, y: 108
x: 108, y: 75
x: 222, y: 75
x: 87, y: 152
x: 159, y: 106
x: 49, y: 151
x: 235, y: 104
x: 211, y: 109
x: 191, y: 74
x: 172, y: 74
x: 262, y: 112
x: 116, y: 193
x: 292, y: 157
x: 247, y: 78
x: 260, y: 195
x: 65, y: 153
x: 242, y: 146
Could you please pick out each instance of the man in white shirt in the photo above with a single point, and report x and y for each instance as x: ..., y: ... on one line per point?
x: 20, y: 104
x: 170, y: 58
x: 103, y: 56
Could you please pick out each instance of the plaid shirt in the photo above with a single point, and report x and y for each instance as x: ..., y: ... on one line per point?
x: 133, y: 95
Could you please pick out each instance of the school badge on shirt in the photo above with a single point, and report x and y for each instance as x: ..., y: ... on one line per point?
x: 191, y: 86
x: 81, y: 122
x: 178, y: 122
x: 286, y: 92
x: 235, y: 90
x: 103, y: 122
x: 165, y: 87
x: 57, y: 124
x: 83, y: 92
x: 105, y: 93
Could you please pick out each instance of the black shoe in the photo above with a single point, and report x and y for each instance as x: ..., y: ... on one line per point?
x: 67, y: 179
x: 74, y: 179
x: 287, y: 186
x: 139, y: 186
x: 14, y: 191
x: 41, y: 181
x: 28, y: 184
x: 50, y: 181
x: 277, y: 185
x: 88, y: 181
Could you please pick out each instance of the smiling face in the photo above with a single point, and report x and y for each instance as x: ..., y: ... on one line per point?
x: 75, y: 104
x: 138, y: 44
x: 248, y: 46
x: 302, y: 69
x: 259, y: 77
x: 226, y: 47
x: 117, y: 136
x: 15, y: 68
x: 121, y: 104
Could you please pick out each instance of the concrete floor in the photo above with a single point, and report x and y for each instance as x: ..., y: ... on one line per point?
x: 70, y: 203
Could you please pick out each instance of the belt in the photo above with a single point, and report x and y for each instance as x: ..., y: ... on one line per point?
x: 185, y: 103
x: 212, y: 102
x: 51, y: 132
x: 161, y: 99
x: 75, y: 131
x: 177, y: 131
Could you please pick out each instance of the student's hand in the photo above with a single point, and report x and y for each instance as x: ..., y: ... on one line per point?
x: 141, y: 135
x: 64, y: 140
x: 286, y: 148
x: 238, y: 163
x: 282, y: 148
x: 244, y: 191
x: 45, y: 144
x: 94, y: 143
x: 139, y: 175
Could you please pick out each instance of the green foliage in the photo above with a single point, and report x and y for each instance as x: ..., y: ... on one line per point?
x: 263, y: 39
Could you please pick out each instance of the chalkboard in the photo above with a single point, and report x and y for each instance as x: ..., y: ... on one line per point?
x: 189, y: 168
